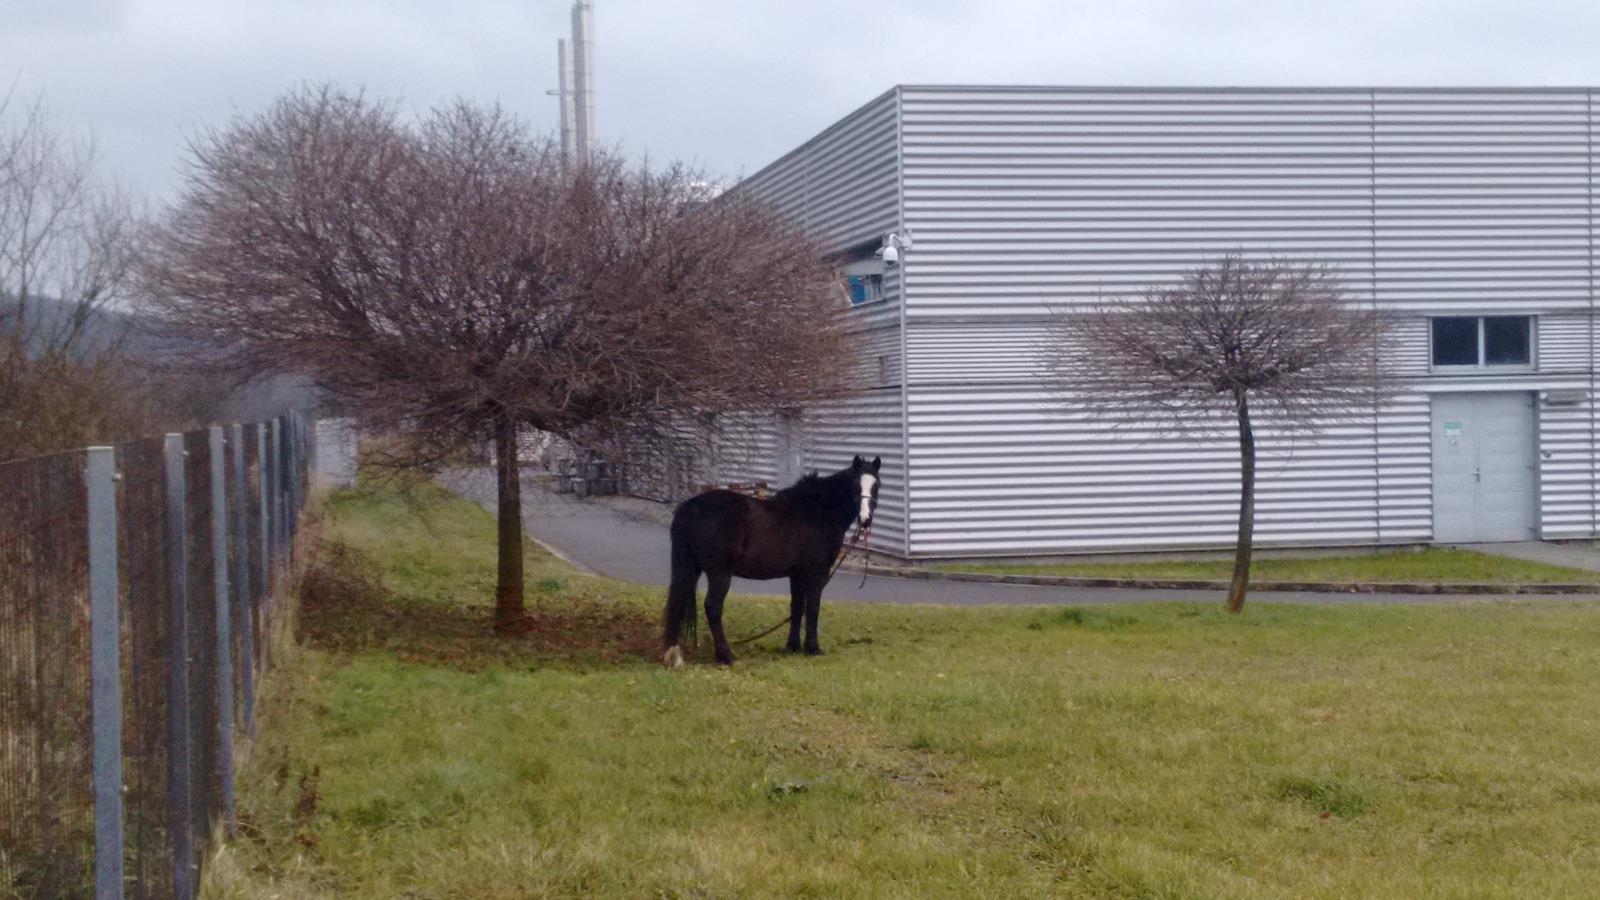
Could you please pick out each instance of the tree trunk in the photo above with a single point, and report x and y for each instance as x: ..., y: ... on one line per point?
x: 509, y: 612
x: 1247, y: 507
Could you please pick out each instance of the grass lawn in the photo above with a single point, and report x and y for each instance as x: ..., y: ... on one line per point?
x: 1155, y: 750
x: 1435, y: 564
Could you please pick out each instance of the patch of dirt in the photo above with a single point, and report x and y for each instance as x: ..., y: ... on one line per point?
x: 347, y: 608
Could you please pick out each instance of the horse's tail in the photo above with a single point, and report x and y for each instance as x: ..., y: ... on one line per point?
x: 680, y: 616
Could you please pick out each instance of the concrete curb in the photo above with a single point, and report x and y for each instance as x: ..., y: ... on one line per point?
x: 1175, y: 584
x: 582, y: 569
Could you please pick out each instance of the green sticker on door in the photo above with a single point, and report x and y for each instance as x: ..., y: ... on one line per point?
x: 1452, y: 429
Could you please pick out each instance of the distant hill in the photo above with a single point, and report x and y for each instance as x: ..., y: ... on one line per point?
x: 49, y: 318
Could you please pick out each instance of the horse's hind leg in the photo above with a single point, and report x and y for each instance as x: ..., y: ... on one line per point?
x: 797, y: 609
x: 680, y: 609
x: 716, y: 592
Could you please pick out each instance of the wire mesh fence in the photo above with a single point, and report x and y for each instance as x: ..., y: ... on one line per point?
x: 132, y: 635
x: 46, y: 815
x: 200, y: 616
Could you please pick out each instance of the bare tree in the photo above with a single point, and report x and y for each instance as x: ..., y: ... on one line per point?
x: 64, y: 233
x: 1230, y: 339
x: 452, y: 280
x: 65, y: 253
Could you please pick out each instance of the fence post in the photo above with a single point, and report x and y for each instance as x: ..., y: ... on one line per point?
x: 293, y: 422
x: 301, y: 454
x: 180, y: 764
x: 264, y: 476
x: 244, y: 621
x: 224, y: 636
x: 290, y: 519
x: 277, y: 491
x: 105, y: 671
x: 303, y: 461
x: 286, y: 489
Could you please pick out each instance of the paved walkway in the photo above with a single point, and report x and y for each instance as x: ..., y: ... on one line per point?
x: 1572, y: 556
x: 626, y: 539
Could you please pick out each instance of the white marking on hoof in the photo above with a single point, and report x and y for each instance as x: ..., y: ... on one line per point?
x: 673, y: 658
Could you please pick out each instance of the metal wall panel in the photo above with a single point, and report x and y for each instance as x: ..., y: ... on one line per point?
x: 747, y: 450
x: 1405, y: 471
x: 956, y: 352
x: 1028, y: 200
x: 1010, y: 469
x: 1563, y: 342
x: 1481, y: 199
x: 1025, y: 200
x: 868, y: 425
x: 844, y: 185
x: 1409, y: 347
x: 1566, y: 471
x: 878, y: 364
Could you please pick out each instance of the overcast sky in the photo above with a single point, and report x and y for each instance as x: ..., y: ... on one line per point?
x: 731, y: 85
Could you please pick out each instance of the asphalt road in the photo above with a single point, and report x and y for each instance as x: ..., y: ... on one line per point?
x: 627, y: 540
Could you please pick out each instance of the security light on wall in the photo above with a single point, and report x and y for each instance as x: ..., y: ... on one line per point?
x: 893, y: 245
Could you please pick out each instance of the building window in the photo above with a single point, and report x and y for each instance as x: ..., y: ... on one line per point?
x: 1455, y: 342
x: 865, y: 289
x: 1479, y: 341
x: 1506, y: 341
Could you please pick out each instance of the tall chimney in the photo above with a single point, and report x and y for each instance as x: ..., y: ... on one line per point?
x: 569, y: 124
x: 583, y: 70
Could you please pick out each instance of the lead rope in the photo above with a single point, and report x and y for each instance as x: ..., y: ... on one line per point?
x: 755, y: 637
x: 860, y: 539
x: 856, y: 540
x: 866, y: 553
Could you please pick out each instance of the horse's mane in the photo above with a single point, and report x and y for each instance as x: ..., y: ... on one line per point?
x: 813, y: 487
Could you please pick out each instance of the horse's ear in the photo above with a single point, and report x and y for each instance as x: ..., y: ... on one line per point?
x: 857, y: 463
x: 877, y: 461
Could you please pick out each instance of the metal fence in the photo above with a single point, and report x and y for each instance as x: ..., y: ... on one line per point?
x: 136, y: 601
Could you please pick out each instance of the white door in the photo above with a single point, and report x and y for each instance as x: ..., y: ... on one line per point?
x: 1483, y: 468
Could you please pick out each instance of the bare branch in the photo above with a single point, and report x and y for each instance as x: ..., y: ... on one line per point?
x: 1284, y: 334
x: 450, y: 278
x: 1230, y: 340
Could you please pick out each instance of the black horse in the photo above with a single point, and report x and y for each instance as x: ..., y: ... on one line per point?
x: 796, y: 534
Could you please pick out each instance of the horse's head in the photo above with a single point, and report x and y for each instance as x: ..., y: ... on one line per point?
x: 866, y: 484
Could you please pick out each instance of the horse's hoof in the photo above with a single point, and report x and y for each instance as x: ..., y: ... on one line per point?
x: 813, y: 651
x: 792, y: 648
x: 724, y: 659
x: 673, y: 658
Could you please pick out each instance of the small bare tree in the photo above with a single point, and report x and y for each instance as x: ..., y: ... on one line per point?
x: 452, y: 280
x: 1229, y: 339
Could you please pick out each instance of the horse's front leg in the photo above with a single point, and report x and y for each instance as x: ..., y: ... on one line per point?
x: 813, y: 608
x: 797, y: 609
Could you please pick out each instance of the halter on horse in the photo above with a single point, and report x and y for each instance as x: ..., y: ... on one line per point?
x: 797, y: 534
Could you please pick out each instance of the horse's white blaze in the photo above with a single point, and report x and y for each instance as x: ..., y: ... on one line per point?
x: 673, y: 658
x: 867, y: 481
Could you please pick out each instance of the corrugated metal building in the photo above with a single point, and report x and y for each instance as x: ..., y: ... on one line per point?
x: 1470, y: 213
